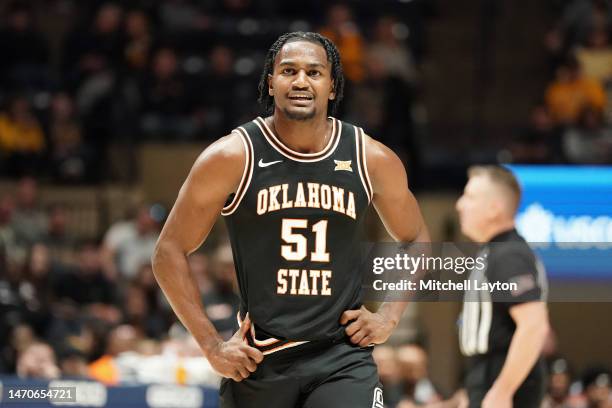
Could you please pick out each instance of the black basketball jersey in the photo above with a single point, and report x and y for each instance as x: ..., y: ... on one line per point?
x: 486, y: 324
x: 295, y: 227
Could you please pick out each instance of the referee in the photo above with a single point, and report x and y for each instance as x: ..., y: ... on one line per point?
x: 501, y: 333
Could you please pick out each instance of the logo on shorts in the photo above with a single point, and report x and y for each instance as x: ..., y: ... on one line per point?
x: 378, y: 398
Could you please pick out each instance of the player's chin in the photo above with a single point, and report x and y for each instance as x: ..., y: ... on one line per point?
x: 300, y: 112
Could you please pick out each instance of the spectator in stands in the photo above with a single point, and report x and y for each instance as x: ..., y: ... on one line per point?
x: 138, y: 313
x: 72, y: 328
x: 382, y: 104
x: 16, y: 340
x: 383, y: 101
x: 139, y: 41
x: 73, y: 364
x: 183, y: 15
x: 70, y: 157
x: 29, y: 221
x: 221, y: 301
x: 596, y: 58
x: 597, y: 387
x: 369, y: 99
x: 237, y: 8
x: 417, y: 388
x: 10, y: 252
x: 23, y: 50
x: 571, y: 92
x: 60, y: 241
x: 589, y: 141
x: 219, y: 90
x: 25, y: 297
x: 130, y: 244
x: 35, y: 287
x: 93, y: 57
x: 22, y: 141
x: 38, y: 361
x: 389, y: 47
x: 540, y: 142
x: 581, y: 17
x: 559, y: 382
x: 166, y: 99
x: 95, y: 48
x: 122, y: 339
x: 145, y: 280
x: 148, y: 347
x: 86, y: 284
x: 342, y: 29
x: 388, y: 371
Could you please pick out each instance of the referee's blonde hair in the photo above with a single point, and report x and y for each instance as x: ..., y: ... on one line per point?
x: 503, y: 177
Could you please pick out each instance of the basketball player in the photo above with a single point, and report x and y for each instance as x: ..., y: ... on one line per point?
x: 294, y: 188
x: 501, y: 333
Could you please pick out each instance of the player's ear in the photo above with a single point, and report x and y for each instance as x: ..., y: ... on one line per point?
x: 332, y: 93
x: 270, y: 87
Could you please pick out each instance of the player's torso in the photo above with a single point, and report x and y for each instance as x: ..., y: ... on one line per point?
x: 295, y: 228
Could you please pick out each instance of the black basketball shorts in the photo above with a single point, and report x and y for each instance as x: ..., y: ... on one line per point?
x: 312, y: 375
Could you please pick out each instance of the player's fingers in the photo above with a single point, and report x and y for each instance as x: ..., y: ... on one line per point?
x: 254, y: 354
x: 366, y: 341
x: 247, y: 363
x: 357, y: 337
x: 244, y: 373
x: 250, y: 365
x: 236, y: 376
x: 353, y: 328
x: 349, y: 315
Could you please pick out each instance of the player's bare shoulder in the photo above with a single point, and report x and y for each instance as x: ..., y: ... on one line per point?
x: 223, y: 161
x: 385, y: 168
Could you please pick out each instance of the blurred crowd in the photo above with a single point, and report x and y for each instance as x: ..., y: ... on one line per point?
x: 84, y: 308
x: 573, y: 122
x: 407, y: 383
x: 78, y: 76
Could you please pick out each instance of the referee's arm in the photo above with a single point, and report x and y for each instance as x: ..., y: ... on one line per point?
x: 532, y: 327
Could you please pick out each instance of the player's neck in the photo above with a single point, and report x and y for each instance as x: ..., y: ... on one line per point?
x: 308, y: 136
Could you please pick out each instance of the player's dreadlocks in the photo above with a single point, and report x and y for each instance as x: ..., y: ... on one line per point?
x: 333, y: 56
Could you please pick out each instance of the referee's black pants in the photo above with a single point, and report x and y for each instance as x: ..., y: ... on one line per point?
x: 483, y: 371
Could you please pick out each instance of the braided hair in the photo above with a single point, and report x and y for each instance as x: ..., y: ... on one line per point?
x: 333, y: 56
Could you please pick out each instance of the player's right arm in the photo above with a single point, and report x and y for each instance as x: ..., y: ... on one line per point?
x: 215, y: 175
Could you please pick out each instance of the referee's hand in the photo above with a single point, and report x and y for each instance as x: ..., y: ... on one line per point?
x: 234, y: 358
x: 365, y: 327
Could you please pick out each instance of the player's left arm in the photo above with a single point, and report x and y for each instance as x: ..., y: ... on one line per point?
x: 401, y: 216
x: 531, y: 319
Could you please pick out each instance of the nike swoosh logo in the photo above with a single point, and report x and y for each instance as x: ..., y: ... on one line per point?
x: 262, y: 164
